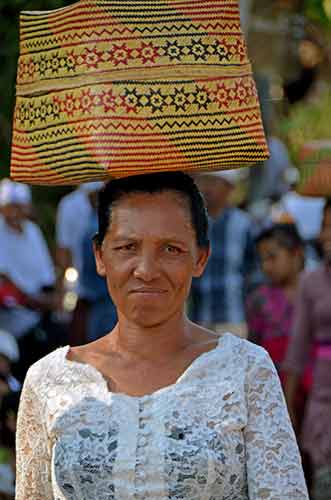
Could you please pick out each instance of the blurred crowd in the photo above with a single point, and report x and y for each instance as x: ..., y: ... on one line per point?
x: 268, y: 280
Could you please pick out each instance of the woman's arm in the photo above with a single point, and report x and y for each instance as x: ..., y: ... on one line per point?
x: 33, y: 457
x: 274, y: 470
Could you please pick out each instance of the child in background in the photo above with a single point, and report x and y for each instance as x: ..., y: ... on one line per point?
x: 270, y: 307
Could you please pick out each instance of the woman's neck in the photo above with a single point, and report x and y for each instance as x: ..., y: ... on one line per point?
x: 153, y: 343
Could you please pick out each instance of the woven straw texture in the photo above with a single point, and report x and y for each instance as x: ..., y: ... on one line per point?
x: 115, y: 88
x: 315, y: 169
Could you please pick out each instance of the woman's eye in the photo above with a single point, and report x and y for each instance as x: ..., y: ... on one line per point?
x: 127, y: 248
x: 172, y: 249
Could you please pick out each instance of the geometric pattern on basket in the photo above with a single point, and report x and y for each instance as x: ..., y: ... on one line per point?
x: 113, y: 88
x: 136, y: 98
x: 76, y: 61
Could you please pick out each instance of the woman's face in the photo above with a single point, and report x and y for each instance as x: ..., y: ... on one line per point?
x: 149, y: 256
x: 279, y: 264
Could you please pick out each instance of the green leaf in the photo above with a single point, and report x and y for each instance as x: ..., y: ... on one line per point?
x: 327, y: 7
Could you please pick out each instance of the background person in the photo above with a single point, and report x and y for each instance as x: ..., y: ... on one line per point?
x: 217, y: 299
x: 73, y: 218
x: 101, y: 314
x: 9, y: 399
x: 312, y: 326
x: 270, y: 308
x: 8, y: 417
x: 9, y: 354
x: 160, y: 407
x: 27, y: 273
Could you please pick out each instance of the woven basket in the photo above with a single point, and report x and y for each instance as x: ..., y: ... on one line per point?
x: 315, y: 169
x: 114, y: 88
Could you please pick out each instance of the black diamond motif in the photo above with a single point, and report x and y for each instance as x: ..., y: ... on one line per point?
x: 221, y: 51
x: 180, y: 99
x: 55, y: 63
x: 173, y: 50
x: 156, y: 100
x: 202, y: 99
x: 42, y: 65
x: 198, y: 50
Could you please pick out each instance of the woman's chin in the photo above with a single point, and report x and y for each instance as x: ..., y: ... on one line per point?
x: 149, y: 317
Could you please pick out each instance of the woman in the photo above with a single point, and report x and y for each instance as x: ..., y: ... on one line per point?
x: 313, y: 327
x: 158, y: 408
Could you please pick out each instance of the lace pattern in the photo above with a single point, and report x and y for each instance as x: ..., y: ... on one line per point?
x: 221, y: 432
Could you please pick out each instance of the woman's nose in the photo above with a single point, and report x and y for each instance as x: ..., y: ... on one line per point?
x: 147, y: 267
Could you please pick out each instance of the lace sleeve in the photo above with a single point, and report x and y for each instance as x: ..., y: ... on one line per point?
x: 33, y: 458
x: 274, y: 470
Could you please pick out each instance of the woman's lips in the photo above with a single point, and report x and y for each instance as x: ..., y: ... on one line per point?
x: 148, y: 291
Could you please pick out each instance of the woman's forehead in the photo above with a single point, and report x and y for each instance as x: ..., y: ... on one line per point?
x: 163, y: 213
x: 171, y: 200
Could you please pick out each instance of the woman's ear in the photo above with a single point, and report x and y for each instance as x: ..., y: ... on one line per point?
x: 201, y: 262
x: 98, y: 255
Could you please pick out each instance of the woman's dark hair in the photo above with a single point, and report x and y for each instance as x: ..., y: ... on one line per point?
x: 286, y: 235
x: 154, y: 183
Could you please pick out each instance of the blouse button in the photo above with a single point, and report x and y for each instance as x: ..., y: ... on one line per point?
x: 143, y: 460
x: 144, y: 414
x: 141, y: 475
x: 146, y: 433
x: 142, y: 441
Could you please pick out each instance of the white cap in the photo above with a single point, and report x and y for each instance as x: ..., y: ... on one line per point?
x: 230, y: 176
x: 14, y: 192
x: 91, y: 187
x: 9, y: 346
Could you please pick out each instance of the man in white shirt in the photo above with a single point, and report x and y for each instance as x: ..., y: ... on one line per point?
x: 72, y: 224
x: 26, y: 268
x: 72, y: 221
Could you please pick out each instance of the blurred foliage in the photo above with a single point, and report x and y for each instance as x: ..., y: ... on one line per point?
x: 307, y: 121
x: 319, y: 11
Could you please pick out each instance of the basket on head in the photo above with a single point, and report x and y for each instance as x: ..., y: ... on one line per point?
x: 111, y: 88
x: 315, y: 169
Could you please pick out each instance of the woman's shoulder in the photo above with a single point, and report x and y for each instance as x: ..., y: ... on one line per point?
x: 243, y: 353
x: 49, y: 368
x: 249, y: 364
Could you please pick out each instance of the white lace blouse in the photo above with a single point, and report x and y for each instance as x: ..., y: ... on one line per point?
x: 221, y: 432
